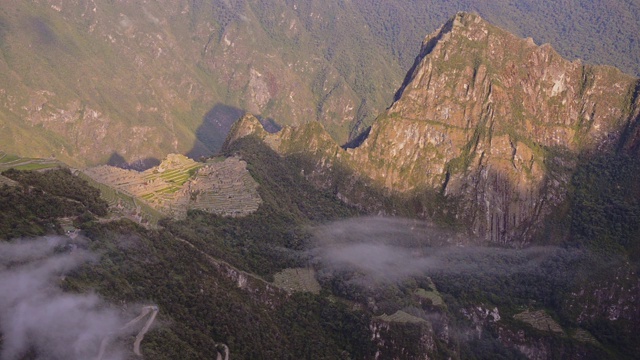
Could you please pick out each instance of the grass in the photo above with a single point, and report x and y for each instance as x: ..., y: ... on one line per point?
x: 297, y: 280
x: 9, y: 161
x: 168, y: 190
x: 7, y: 158
x: 432, y: 295
x: 178, y: 178
x: 36, y: 166
x: 147, y: 196
x: 539, y: 320
x: 114, y: 197
x: 401, y: 317
x: 585, y: 337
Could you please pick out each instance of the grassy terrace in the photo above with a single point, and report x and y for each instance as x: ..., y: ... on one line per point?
x: 297, y: 280
x: 8, y: 161
x: 223, y: 186
x: 118, y: 200
x: 432, y: 295
x: 401, y: 317
x: 177, y: 176
x: 127, y: 202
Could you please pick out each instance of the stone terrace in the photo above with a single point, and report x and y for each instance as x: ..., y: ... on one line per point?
x: 178, y: 184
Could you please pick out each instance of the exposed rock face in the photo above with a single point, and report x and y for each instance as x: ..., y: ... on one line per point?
x: 482, y: 114
x: 401, y: 338
x: 489, y: 119
x: 613, y: 300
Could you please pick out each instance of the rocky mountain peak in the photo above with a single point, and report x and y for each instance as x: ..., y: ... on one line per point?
x: 491, y: 120
x: 483, y: 115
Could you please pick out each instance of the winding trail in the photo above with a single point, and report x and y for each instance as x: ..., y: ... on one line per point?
x: 226, y: 352
x: 140, y: 336
x: 136, y: 345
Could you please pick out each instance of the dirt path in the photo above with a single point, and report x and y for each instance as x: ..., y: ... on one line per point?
x: 140, y: 336
x: 136, y: 345
x: 226, y: 352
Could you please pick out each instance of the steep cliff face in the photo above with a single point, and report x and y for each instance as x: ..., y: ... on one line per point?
x: 495, y: 120
x: 491, y: 120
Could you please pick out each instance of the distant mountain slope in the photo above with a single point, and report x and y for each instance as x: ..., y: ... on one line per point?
x: 209, y: 277
x: 600, y: 32
x: 93, y: 81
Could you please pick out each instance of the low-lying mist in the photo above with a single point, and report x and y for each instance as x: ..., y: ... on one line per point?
x: 381, y: 249
x: 37, y: 317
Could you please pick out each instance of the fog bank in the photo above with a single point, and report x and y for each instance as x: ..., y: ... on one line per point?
x: 393, y: 249
x: 36, y: 316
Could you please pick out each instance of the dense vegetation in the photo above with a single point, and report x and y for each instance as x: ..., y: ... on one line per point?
x: 262, y: 242
x: 201, y: 307
x: 34, y: 207
x: 605, y: 211
x: 178, y: 268
x: 602, y: 32
x: 62, y: 183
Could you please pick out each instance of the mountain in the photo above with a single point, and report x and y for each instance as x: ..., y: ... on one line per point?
x: 94, y: 81
x: 516, y: 170
x: 492, y: 124
x: 230, y: 285
x: 570, y: 26
x: 206, y: 301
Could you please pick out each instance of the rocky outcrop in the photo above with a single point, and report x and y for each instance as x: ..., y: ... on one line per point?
x: 483, y: 117
x: 487, y: 116
x: 398, y: 337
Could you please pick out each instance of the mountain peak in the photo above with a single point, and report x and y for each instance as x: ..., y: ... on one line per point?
x: 246, y: 125
x: 484, y: 115
x: 464, y: 18
x: 482, y: 107
x: 465, y: 25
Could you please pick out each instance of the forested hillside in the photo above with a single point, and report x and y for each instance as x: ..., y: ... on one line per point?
x: 92, y: 81
x: 388, y: 287
x: 600, y: 32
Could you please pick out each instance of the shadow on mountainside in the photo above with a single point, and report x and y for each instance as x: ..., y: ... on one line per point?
x: 215, y: 127
x: 424, y: 51
x: 358, y: 140
x: 118, y: 160
x: 210, y: 136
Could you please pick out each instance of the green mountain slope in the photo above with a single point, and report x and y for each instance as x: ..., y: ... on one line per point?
x: 210, y: 277
x: 200, y: 272
x: 93, y: 81
x: 571, y: 27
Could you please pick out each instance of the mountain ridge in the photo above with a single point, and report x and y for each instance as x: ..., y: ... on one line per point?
x: 484, y: 118
x: 173, y: 77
